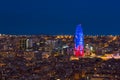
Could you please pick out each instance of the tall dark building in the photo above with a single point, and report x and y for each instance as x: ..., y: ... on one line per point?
x: 23, y: 44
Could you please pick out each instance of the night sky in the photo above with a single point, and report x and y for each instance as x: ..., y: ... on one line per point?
x: 59, y: 16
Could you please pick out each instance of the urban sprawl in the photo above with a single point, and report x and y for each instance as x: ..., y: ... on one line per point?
x: 51, y: 57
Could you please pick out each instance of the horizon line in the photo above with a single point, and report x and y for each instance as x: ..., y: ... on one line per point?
x: 61, y: 34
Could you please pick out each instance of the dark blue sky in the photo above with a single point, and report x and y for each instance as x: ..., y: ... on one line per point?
x: 59, y: 16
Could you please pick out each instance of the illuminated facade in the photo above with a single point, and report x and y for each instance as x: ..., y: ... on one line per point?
x: 79, y: 42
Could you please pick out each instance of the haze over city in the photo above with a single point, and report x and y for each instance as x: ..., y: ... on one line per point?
x: 59, y: 17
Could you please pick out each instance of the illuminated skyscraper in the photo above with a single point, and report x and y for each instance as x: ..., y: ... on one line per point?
x: 29, y: 43
x: 79, y: 42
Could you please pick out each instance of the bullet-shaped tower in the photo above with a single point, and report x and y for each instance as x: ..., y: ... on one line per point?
x: 79, y: 42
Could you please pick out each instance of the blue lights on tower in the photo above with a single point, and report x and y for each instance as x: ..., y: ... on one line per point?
x: 79, y: 41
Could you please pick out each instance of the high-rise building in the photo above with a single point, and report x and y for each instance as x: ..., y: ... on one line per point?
x: 29, y: 43
x: 22, y: 44
x: 79, y: 42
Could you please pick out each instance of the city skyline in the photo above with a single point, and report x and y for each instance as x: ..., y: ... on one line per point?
x: 59, y: 17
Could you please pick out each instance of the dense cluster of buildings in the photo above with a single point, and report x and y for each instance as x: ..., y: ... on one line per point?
x: 51, y: 57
